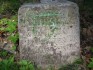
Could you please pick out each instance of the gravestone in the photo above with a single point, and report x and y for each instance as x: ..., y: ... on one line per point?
x: 49, y: 34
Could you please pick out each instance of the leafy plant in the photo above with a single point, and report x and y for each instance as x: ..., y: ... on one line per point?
x: 13, y: 38
x: 3, y: 53
x: 26, y: 65
x: 91, y: 49
x: 9, y: 26
x: 90, y: 65
x: 10, y: 64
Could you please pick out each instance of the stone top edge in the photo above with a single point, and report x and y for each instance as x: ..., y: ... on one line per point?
x: 67, y: 3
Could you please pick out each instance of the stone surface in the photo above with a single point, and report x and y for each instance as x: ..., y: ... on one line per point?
x: 49, y: 1
x: 49, y: 34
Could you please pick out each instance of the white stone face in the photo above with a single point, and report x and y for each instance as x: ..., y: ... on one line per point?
x: 49, y: 33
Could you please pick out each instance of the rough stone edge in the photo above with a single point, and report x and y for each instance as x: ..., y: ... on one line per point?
x: 28, y: 5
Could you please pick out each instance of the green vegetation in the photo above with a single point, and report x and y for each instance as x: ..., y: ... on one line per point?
x: 9, y: 26
x: 9, y: 6
x: 10, y: 64
x: 90, y: 65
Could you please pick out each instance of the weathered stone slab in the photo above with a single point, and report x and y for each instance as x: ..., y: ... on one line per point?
x: 49, y: 34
